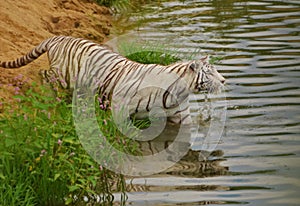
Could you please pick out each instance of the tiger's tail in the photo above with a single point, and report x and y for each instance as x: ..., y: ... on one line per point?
x: 29, y: 57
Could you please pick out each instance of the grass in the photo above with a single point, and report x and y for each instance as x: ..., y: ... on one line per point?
x: 148, y: 53
x: 41, y: 159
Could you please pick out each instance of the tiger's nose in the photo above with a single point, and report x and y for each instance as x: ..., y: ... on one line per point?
x: 222, y: 79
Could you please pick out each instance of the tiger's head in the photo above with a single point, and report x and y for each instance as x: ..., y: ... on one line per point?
x: 207, y: 78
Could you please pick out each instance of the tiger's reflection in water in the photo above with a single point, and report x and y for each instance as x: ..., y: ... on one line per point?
x: 188, y: 167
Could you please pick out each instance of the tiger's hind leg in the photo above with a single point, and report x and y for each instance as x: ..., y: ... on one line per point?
x: 50, y: 83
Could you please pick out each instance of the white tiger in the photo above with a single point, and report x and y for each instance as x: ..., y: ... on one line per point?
x: 77, y: 62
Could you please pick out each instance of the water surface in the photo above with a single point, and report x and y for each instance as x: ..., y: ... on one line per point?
x: 258, y: 157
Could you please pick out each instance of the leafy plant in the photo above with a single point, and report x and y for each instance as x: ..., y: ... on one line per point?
x: 42, y: 161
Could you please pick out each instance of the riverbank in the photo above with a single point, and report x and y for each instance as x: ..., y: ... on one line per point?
x: 25, y: 25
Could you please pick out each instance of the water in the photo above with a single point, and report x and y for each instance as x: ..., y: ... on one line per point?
x: 257, y: 161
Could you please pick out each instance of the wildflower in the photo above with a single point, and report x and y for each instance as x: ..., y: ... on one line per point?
x: 100, y: 168
x: 99, y: 100
x: 20, y: 76
x: 85, y: 199
x: 53, y: 79
x: 63, y: 82
x: 102, y: 106
x: 58, y: 99
x: 25, y: 117
x: 104, y: 122
x: 59, y: 142
x: 17, y: 89
x: 26, y: 80
x: 49, y: 115
x: 72, y: 154
x: 43, y: 152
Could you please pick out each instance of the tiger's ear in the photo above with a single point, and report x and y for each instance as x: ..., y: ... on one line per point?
x: 193, y: 66
x: 205, y: 59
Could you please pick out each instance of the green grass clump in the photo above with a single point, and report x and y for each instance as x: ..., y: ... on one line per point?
x: 159, y: 53
x: 42, y: 162
x: 149, y: 53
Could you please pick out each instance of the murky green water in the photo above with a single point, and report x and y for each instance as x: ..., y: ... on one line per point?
x: 258, y: 162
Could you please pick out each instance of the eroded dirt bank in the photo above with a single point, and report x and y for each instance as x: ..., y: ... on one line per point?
x: 25, y: 23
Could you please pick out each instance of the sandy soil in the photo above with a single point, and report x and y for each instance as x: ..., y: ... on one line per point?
x: 25, y: 23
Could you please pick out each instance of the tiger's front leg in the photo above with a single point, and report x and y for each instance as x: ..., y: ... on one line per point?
x: 183, y: 117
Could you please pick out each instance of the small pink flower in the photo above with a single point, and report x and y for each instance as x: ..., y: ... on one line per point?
x: 58, y: 99
x: 25, y: 117
x: 102, y: 106
x: 43, y: 152
x: 63, y: 82
x: 49, y: 115
x: 104, y: 122
x: 20, y: 76
x: 53, y: 79
x: 17, y: 89
x: 100, y: 168
x: 59, y: 142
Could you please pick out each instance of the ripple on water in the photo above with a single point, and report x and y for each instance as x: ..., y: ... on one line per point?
x: 260, y: 45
